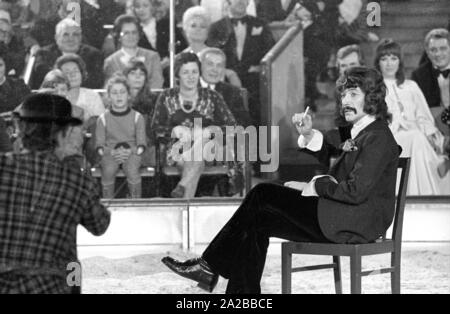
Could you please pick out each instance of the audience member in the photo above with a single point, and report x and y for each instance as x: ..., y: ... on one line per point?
x: 90, y: 101
x: 68, y: 40
x: 213, y: 61
x: 175, y: 115
x: 245, y: 40
x: 143, y: 100
x: 120, y: 139
x: 196, y: 25
x: 12, y: 90
x: 433, y: 77
x: 13, y: 45
x: 127, y: 36
x: 413, y: 125
x: 156, y: 32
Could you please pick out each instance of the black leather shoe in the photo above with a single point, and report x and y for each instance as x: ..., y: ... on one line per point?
x: 195, y: 270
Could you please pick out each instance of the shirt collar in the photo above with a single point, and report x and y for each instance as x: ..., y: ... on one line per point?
x: 204, y: 84
x: 361, y: 125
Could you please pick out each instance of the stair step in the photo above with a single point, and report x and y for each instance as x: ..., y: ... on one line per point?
x: 415, y: 7
x: 413, y: 35
x: 419, y: 21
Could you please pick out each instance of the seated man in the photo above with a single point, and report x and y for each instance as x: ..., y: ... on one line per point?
x: 433, y: 77
x: 68, y: 40
x: 355, y: 203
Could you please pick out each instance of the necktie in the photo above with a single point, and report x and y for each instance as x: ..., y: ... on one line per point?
x: 235, y: 21
x: 445, y: 73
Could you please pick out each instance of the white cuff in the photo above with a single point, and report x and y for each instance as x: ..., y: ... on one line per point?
x: 310, y: 189
x: 315, y: 144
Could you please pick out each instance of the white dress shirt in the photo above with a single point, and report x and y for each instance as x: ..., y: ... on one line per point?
x: 310, y: 189
x: 361, y: 125
x: 240, y: 31
x: 150, y: 32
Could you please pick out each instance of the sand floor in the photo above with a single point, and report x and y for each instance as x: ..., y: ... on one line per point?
x: 425, y: 270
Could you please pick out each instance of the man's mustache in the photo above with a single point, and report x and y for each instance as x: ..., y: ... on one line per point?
x: 348, y: 108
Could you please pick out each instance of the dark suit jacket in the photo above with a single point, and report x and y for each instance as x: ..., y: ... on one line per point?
x: 163, y: 39
x: 272, y: 10
x: 258, y: 42
x: 46, y: 58
x: 12, y: 93
x: 428, y: 83
x: 361, y: 207
x: 232, y: 96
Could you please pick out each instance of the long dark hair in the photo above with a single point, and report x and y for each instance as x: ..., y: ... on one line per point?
x: 390, y: 47
x: 371, y: 82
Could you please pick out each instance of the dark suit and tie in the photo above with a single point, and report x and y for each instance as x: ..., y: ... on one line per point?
x: 245, y: 43
x: 427, y: 77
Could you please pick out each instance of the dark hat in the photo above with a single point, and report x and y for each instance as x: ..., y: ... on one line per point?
x: 47, y: 108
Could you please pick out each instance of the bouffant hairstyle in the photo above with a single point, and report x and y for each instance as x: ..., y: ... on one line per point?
x: 390, y: 47
x: 371, y: 82
x: 185, y: 58
x: 72, y: 57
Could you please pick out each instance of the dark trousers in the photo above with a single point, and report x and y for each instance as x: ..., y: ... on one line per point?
x: 239, y: 251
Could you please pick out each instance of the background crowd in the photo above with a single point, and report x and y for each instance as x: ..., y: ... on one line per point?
x: 111, y: 61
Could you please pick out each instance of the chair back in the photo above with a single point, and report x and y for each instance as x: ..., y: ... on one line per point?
x: 404, y: 165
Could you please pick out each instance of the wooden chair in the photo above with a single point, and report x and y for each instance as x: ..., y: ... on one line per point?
x: 354, y: 251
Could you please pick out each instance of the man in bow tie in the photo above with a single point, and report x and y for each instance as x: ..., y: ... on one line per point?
x: 433, y: 77
x: 245, y: 40
x: 354, y: 204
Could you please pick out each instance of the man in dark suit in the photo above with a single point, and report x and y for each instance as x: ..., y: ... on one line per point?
x: 68, y: 40
x: 433, y: 77
x: 354, y: 204
x: 213, y: 71
x: 245, y: 41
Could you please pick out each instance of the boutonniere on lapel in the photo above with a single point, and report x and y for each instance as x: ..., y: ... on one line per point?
x: 349, y: 146
x: 257, y: 31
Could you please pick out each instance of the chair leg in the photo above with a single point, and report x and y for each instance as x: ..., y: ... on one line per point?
x: 286, y: 271
x: 395, y: 276
x: 355, y: 274
x: 337, y: 274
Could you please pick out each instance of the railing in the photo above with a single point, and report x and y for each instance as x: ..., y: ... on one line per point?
x: 282, y: 86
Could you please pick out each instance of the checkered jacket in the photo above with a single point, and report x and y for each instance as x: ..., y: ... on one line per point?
x: 42, y: 201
